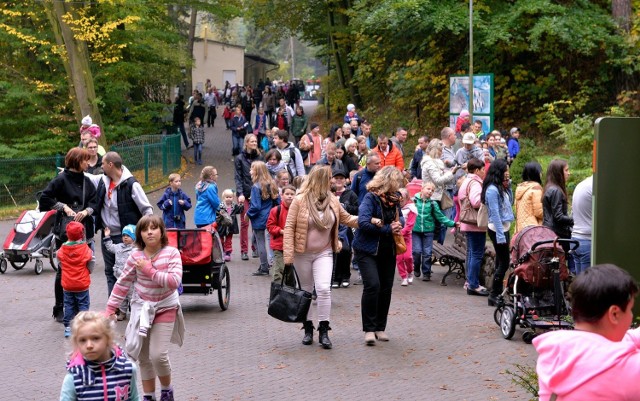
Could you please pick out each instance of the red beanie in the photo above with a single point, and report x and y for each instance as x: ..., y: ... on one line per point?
x: 75, y: 231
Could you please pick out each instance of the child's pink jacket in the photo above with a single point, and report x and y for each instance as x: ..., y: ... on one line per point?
x: 409, y: 212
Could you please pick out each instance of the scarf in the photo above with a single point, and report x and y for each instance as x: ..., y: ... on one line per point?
x: 390, y: 200
x: 319, y: 205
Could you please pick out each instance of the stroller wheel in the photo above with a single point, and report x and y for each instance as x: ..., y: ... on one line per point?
x: 528, y: 336
x: 224, y: 288
x: 3, y: 266
x: 39, y: 266
x: 53, y: 258
x: 496, y: 314
x: 508, y: 322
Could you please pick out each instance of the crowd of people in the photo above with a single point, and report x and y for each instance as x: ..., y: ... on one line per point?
x: 325, y: 205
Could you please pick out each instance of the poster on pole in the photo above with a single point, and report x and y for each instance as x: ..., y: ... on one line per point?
x: 482, y: 98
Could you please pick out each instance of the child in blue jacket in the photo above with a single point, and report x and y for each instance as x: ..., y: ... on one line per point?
x: 264, y: 196
x: 207, y: 200
x: 174, y: 203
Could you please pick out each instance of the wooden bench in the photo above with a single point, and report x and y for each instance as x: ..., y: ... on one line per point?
x: 454, y: 257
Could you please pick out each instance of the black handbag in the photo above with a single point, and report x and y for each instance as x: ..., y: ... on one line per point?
x: 289, y: 304
x: 62, y: 220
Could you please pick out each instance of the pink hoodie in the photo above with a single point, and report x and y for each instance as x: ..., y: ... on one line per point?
x: 579, y: 365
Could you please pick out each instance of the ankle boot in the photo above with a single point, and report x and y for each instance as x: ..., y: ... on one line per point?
x: 323, y: 334
x: 58, y: 313
x: 308, y: 332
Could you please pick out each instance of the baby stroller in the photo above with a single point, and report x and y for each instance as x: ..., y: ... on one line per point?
x: 203, y: 267
x: 534, y: 297
x: 31, y: 238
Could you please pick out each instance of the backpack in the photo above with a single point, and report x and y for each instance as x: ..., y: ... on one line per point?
x: 305, y: 153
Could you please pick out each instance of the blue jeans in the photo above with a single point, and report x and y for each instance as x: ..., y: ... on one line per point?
x: 422, y: 244
x: 197, y: 153
x: 237, y: 143
x: 74, y: 302
x: 261, y: 246
x: 582, y: 255
x: 475, y: 252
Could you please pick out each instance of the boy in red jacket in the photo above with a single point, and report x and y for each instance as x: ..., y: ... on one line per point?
x: 77, y: 260
x: 275, y: 226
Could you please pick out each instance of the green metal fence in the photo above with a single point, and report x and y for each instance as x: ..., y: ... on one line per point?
x: 150, y: 158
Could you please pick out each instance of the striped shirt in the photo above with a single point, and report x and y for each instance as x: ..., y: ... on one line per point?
x: 156, y: 280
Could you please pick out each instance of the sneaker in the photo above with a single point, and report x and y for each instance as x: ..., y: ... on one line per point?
x: 148, y: 398
x: 345, y: 284
x: 358, y: 281
x: 466, y: 285
x: 410, y: 278
x: 426, y: 277
x: 166, y: 395
x: 244, y: 256
x: 227, y: 258
x: 260, y: 272
x: 335, y: 284
x: 416, y: 272
x: 405, y: 282
x: 254, y: 254
x: 67, y: 332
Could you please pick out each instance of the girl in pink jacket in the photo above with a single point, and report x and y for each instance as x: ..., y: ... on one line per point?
x: 404, y: 261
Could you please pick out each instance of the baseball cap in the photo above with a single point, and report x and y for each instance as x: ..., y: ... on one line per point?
x: 514, y: 129
x: 339, y: 172
x: 469, y: 138
x: 75, y: 231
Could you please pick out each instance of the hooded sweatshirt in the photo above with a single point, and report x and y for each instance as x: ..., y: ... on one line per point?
x: 528, y: 205
x: 579, y: 365
x: 207, y: 203
x: 76, y: 259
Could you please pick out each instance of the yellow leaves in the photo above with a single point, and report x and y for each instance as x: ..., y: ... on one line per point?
x: 32, y: 41
x: 43, y: 87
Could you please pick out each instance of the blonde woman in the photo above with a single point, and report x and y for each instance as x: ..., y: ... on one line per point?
x: 375, y: 249
x: 310, y: 240
x: 433, y: 170
x: 264, y: 196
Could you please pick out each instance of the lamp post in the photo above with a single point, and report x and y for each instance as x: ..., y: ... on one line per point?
x: 470, y: 60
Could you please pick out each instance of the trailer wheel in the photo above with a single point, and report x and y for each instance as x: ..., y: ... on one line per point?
x: 39, y: 266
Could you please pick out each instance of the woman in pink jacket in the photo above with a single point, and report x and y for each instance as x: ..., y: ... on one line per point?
x: 600, y: 359
x: 471, y: 189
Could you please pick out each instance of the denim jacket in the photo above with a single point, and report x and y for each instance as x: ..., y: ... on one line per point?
x: 500, y: 211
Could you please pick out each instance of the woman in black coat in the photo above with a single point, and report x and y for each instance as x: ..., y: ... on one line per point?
x: 71, y: 194
x: 555, y: 201
x: 249, y: 154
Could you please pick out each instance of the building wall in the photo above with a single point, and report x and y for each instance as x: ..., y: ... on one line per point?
x: 215, y: 61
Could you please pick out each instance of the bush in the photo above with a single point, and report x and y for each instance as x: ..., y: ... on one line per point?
x: 529, y: 152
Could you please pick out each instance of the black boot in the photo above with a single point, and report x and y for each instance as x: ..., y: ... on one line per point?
x: 308, y: 332
x: 58, y: 313
x: 323, y: 334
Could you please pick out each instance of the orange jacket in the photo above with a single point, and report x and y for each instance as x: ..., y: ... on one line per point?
x: 75, y: 259
x: 393, y: 158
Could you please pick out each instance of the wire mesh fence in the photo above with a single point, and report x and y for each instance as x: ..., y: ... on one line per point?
x: 150, y: 158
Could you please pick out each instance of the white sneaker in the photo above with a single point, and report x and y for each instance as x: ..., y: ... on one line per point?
x: 410, y: 278
x: 405, y: 282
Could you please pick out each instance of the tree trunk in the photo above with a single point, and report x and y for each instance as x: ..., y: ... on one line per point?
x: 354, y: 89
x: 621, y: 11
x: 76, y: 63
x: 334, y: 50
x: 190, y: 42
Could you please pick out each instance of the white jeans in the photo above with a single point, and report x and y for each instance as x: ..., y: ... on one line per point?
x: 316, y: 269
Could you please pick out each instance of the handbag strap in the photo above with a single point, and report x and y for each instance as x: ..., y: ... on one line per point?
x: 295, y: 273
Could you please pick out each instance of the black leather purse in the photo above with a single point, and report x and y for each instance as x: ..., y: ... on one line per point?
x: 289, y: 304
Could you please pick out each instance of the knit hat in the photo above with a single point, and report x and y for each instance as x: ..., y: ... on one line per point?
x: 351, y: 107
x: 87, y: 120
x: 75, y: 231
x: 464, y: 113
x: 130, y: 231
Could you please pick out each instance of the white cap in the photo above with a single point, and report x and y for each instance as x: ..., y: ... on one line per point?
x: 87, y: 120
x: 469, y: 138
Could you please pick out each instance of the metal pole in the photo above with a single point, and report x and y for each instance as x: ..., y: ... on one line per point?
x: 293, y: 59
x: 471, y: 60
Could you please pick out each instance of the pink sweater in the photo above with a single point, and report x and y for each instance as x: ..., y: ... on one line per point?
x: 156, y: 280
x: 583, y: 366
x: 472, y: 188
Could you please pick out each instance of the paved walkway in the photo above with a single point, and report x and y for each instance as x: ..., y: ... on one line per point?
x: 444, y: 344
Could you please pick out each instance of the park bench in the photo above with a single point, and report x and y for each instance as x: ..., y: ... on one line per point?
x: 454, y: 257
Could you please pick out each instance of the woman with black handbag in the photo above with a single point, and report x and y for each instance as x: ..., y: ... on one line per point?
x: 74, y: 197
x: 311, y: 239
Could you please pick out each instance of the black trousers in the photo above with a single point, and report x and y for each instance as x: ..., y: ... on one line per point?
x: 342, y: 266
x: 502, y: 262
x: 377, y: 273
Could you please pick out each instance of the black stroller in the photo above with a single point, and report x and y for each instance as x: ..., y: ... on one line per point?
x: 203, y: 266
x: 534, y: 297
